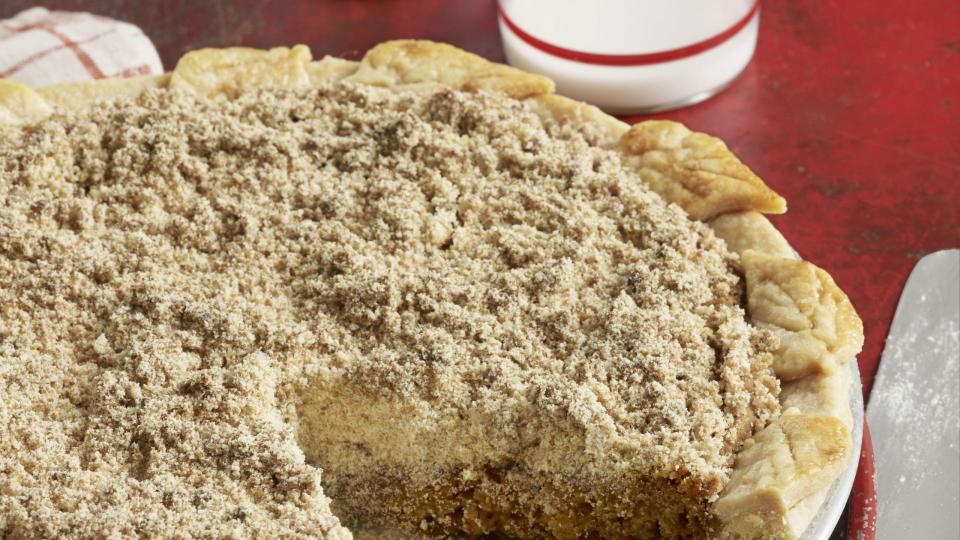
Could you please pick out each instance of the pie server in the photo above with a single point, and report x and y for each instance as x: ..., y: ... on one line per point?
x: 914, y: 409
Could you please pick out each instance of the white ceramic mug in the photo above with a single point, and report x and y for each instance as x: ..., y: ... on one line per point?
x: 629, y: 56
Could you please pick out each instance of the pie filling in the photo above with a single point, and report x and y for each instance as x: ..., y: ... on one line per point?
x: 474, y: 320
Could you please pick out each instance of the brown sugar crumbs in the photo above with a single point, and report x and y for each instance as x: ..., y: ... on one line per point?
x: 174, y: 272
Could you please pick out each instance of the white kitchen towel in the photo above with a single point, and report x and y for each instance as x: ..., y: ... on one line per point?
x: 40, y: 47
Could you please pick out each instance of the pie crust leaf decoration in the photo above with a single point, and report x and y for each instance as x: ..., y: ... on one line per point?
x: 210, y: 72
x: 819, y: 329
x: 792, y: 459
x: 822, y: 394
x: 20, y: 104
x: 77, y: 96
x: 750, y: 230
x: 696, y: 171
x: 411, y: 62
x: 801, y: 514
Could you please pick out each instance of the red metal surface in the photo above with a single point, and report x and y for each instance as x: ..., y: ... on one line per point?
x: 851, y: 110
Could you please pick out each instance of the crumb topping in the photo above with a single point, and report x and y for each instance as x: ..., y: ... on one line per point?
x: 174, y: 271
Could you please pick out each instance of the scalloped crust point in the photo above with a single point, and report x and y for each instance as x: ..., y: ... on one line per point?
x: 819, y: 329
x: 793, y: 458
x: 750, y: 230
x: 696, y: 171
x: 20, y: 104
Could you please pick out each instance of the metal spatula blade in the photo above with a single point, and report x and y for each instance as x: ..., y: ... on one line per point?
x: 914, y: 410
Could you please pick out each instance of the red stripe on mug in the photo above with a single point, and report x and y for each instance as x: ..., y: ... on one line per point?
x: 630, y: 59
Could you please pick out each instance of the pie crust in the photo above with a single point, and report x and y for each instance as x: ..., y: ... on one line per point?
x: 781, y: 476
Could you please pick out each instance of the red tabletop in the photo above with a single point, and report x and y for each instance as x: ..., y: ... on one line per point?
x: 851, y: 110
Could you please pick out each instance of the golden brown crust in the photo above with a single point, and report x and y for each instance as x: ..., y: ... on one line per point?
x: 410, y: 62
x: 791, y: 459
x: 818, y: 393
x: 76, y: 96
x: 20, y: 104
x: 821, y: 394
x: 818, y: 328
x: 750, y: 230
x: 224, y: 71
x: 801, y: 514
x: 696, y: 171
x: 79, y: 95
